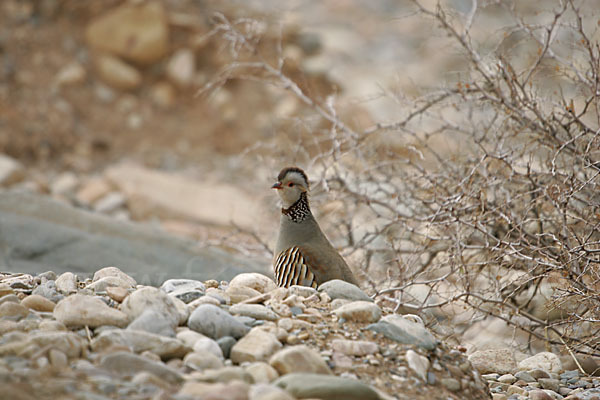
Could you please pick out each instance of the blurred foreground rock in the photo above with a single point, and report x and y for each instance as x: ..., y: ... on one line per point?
x: 38, y: 234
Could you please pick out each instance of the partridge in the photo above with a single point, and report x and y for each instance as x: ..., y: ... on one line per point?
x: 303, y: 255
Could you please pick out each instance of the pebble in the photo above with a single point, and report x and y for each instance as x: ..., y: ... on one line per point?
x: 152, y: 298
x: 256, y: 345
x: 48, y: 290
x: 181, y: 68
x: 338, y: 289
x: 215, y: 323
x: 354, y: 347
x: 200, y: 361
x: 418, y: 363
x: 5, y: 289
x: 325, y: 387
x: 80, y: 310
x: 140, y: 341
x: 546, y: 361
x: 493, y: 360
x: 66, y: 283
x: 116, y: 293
x: 404, y: 331
x: 214, y: 391
x: 359, y: 311
x: 114, y: 272
x: 11, y: 171
x: 256, y: 311
x: 262, y: 391
x: 128, y: 364
x: 153, y: 321
x: 255, y: 281
x: 299, y: 358
x: 38, y: 303
x: 13, y: 311
x: 262, y: 372
x: 186, y: 290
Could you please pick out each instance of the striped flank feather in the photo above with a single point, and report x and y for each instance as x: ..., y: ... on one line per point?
x: 291, y: 269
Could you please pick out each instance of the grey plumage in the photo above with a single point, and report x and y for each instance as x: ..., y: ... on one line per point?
x: 303, y: 254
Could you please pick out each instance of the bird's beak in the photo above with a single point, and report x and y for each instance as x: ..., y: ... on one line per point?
x: 277, y: 185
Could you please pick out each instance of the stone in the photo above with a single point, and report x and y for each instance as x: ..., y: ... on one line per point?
x: 137, y: 32
x: 140, y: 341
x: 299, y: 358
x: 359, y: 311
x: 11, y: 171
x: 237, y: 294
x: 418, y: 363
x: 538, y: 373
x: 66, y: 283
x: 256, y: 345
x: 153, y: 321
x: 5, y: 289
x: 507, y: 378
x: 338, y: 289
x: 200, y: 361
x: 404, y: 331
x: 116, y: 293
x: 113, y: 201
x: 181, y: 68
x: 71, y: 344
x: 117, y: 73
x: 262, y: 372
x: 216, y: 323
x: 256, y: 311
x: 163, y: 94
x: 214, y: 391
x: 128, y: 364
x: 70, y: 74
x: 550, y: 384
x: 38, y: 303
x: 108, y: 281
x: 208, y: 345
x: 186, y: 290
x: 48, y: 290
x: 13, y: 311
x: 493, y: 360
x: 58, y: 359
x: 64, y: 184
x: 151, y: 298
x: 263, y: 391
x: 524, y: 376
x: 256, y: 281
x: 354, y: 347
x: 225, y: 374
x: 547, y: 361
x: 92, y: 190
x: 226, y: 343
x: 114, y: 272
x: 539, y: 395
x: 302, y: 291
x: 10, y: 298
x: 79, y: 310
x: 325, y: 387
x: 451, y: 384
x: 51, y: 325
x: 513, y: 389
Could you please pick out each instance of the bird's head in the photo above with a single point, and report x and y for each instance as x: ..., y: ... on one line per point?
x: 291, y: 183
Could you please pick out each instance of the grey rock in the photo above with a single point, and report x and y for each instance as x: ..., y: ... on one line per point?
x: 66, y: 283
x: 80, y: 310
x: 256, y: 311
x: 152, y: 298
x: 569, y: 375
x: 140, y: 341
x: 539, y: 374
x: 524, y: 376
x: 127, y: 364
x: 418, y: 363
x: 404, y: 331
x: 154, y: 322
x: 40, y: 231
x: 226, y: 343
x: 325, y: 387
x: 338, y: 289
x: 451, y: 384
x: 226, y: 374
x: 550, y: 384
x: 48, y: 290
x: 201, y: 361
x: 215, y: 323
x: 186, y: 290
x: 47, y: 276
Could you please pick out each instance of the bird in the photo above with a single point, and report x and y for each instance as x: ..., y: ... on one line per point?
x: 303, y: 254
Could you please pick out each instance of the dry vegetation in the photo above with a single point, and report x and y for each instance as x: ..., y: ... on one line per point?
x: 482, y: 198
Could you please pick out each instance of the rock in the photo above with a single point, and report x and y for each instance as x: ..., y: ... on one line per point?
x: 48, y: 290
x: 66, y: 283
x: 69, y: 343
x: 214, y: 391
x: 494, y: 360
x: 58, y: 359
x: 402, y: 330
x: 127, y: 364
x: 338, y: 289
x: 52, y: 326
x: 117, y: 293
x: 64, y: 184
x: 226, y: 343
x: 539, y: 374
x: 524, y: 376
x: 186, y: 290
x: 207, y: 345
x: 225, y: 374
x: 262, y: 391
x: 9, y: 298
x: 539, y: 395
x: 256, y: 281
x: 359, y: 311
x: 163, y: 94
x: 200, y: 361
x: 418, y: 363
x: 116, y: 73
x: 302, y: 291
x: 114, y: 272
x: 70, y: 74
x: 256, y: 345
x: 181, y: 68
x: 298, y: 358
x: 152, y: 298
x: 451, y: 384
x: 216, y: 323
x: 13, y: 311
x: 153, y: 321
x: 11, y: 171
x: 507, y: 378
x: 79, y: 310
x: 354, y: 347
x: 325, y: 387
x: 237, y: 294
x: 114, y: 200
x: 550, y: 384
x: 256, y: 311
x: 38, y: 303
x: 549, y: 362
x: 92, y: 190
x: 137, y: 32
x: 140, y: 341
x: 5, y: 289
x: 109, y: 281
x: 262, y: 372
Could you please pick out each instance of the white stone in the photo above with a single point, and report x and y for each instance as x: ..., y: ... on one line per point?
x: 117, y: 73
x: 256, y: 345
x: 546, y: 361
x: 254, y: 280
x: 360, y: 311
x: 66, y: 283
x: 181, y: 68
x: 11, y: 171
x: 79, y: 310
x: 418, y: 363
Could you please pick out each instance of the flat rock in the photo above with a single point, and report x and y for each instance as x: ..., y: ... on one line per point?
x: 354, y: 347
x: 256, y: 345
x: 136, y: 32
x: 140, y: 341
x: 200, y: 361
x: 501, y: 361
x: 404, y: 331
x: 215, y: 323
x: 38, y: 303
x: 359, y: 311
x: 256, y: 281
x: 262, y: 372
x: 127, y: 364
x: 225, y: 374
x: 546, y: 361
x: 153, y: 321
x: 214, y: 391
x: 79, y: 310
x: 298, y: 358
x: 109, y: 281
x: 418, y: 363
x: 256, y: 311
x: 325, y: 387
x: 338, y: 289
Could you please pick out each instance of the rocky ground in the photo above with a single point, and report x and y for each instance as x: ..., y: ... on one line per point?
x: 108, y: 337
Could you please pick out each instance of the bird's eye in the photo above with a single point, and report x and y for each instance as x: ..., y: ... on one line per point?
x: 291, y: 184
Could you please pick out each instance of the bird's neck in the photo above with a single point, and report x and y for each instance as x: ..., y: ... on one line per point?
x: 298, y: 211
